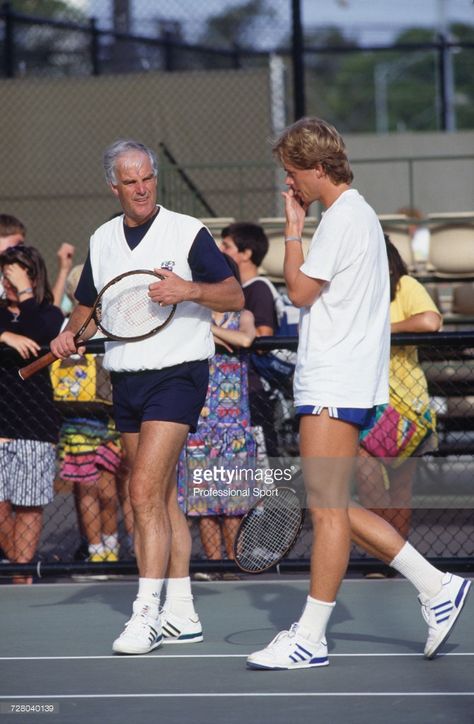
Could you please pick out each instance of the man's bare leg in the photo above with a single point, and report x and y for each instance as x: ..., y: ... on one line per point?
x: 328, y: 449
x: 154, y: 455
x: 181, y: 623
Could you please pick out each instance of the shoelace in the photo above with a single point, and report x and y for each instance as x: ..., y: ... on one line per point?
x: 291, y: 633
x: 134, y: 619
x: 139, y: 618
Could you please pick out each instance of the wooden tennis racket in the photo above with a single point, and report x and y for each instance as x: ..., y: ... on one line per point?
x: 269, y: 530
x: 123, y: 312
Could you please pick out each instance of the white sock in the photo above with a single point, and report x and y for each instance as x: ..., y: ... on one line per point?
x: 110, y: 542
x: 95, y: 548
x: 314, y: 619
x: 427, y: 579
x: 179, y: 598
x: 149, y: 591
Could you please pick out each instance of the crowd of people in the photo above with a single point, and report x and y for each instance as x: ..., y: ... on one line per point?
x: 175, y: 400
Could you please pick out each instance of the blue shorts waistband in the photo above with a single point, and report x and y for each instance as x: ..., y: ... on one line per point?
x: 360, y: 416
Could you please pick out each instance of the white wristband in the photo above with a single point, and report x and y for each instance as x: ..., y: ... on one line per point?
x: 293, y: 238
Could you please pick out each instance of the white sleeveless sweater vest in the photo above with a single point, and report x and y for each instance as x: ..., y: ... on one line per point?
x: 188, y: 336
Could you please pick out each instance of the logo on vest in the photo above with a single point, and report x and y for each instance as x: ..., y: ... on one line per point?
x: 168, y: 265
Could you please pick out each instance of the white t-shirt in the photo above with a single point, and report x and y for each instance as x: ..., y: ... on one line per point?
x: 344, y: 339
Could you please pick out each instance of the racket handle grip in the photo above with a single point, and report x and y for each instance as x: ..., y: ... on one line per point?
x: 37, y: 365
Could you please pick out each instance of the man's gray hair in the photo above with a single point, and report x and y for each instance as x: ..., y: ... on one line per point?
x: 124, y: 145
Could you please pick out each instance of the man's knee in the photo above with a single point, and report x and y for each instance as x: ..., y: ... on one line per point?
x: 146, y: 499
x: 332, y: 517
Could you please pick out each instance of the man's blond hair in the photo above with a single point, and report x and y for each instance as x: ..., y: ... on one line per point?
x: 310, y: 142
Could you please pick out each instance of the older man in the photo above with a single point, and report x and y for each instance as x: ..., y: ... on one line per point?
x: 159, y: 385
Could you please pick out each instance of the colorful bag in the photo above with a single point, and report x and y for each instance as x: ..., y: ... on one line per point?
x: 398, y: 430
x: 81, y: 379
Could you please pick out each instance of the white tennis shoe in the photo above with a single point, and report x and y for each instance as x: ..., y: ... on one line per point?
x: 142, y: 633
x: 181, y: 630
x: 441, y: 612
x: 290, y: 650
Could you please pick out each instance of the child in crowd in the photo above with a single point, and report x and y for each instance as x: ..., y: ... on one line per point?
x: 90, y: 449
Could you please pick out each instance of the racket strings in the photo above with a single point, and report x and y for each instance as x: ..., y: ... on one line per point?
x: 268, y: 531
x: 127, y: 310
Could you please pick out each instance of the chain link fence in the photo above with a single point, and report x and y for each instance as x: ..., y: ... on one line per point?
x: 88, y: 525
x: 206, y: 84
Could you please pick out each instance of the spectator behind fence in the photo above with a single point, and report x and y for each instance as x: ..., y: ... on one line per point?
x: 13, y: 232
x: 89, y: 448
x: 29, y: 422
x: 246, y: 243
x: 65, y: 256
x: 224, y: 435
x: 404, y: 428
x: 419, y: 233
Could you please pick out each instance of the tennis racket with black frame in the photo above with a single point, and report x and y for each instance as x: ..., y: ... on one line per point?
x: 123, y: 312
x: 270, y: 529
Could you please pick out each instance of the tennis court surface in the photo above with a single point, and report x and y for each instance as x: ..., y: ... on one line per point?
x: 56, y: 650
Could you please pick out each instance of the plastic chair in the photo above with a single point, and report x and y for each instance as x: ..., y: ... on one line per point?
x: 463, y: 299
x: 400, y: 238
x: 451, y: 254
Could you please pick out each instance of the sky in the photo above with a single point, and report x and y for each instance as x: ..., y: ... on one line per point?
x: 376, y: 20
x: 369, y: 21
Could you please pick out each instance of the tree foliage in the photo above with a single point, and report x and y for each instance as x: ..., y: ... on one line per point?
x: 350, y: 88
x: 44, y: 49
x: 57, y: 9
x: 238, y: 25
x: 354, y: 89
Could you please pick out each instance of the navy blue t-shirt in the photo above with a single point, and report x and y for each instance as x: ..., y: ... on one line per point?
x: 207, y: 263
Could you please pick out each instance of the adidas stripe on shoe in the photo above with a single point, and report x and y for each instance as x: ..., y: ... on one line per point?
x: 181, y: 630
x: 442, y: 611
x: 289, y: 650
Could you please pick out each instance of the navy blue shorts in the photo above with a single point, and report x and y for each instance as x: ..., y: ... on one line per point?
x: 360, y: 416
x: 173, y: 394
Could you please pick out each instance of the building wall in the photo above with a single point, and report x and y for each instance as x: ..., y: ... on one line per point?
x: 441, y: 169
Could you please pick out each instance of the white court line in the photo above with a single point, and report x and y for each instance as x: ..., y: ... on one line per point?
x: 279, y: 581
x: 212, y: 695
x: 159, y: 656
